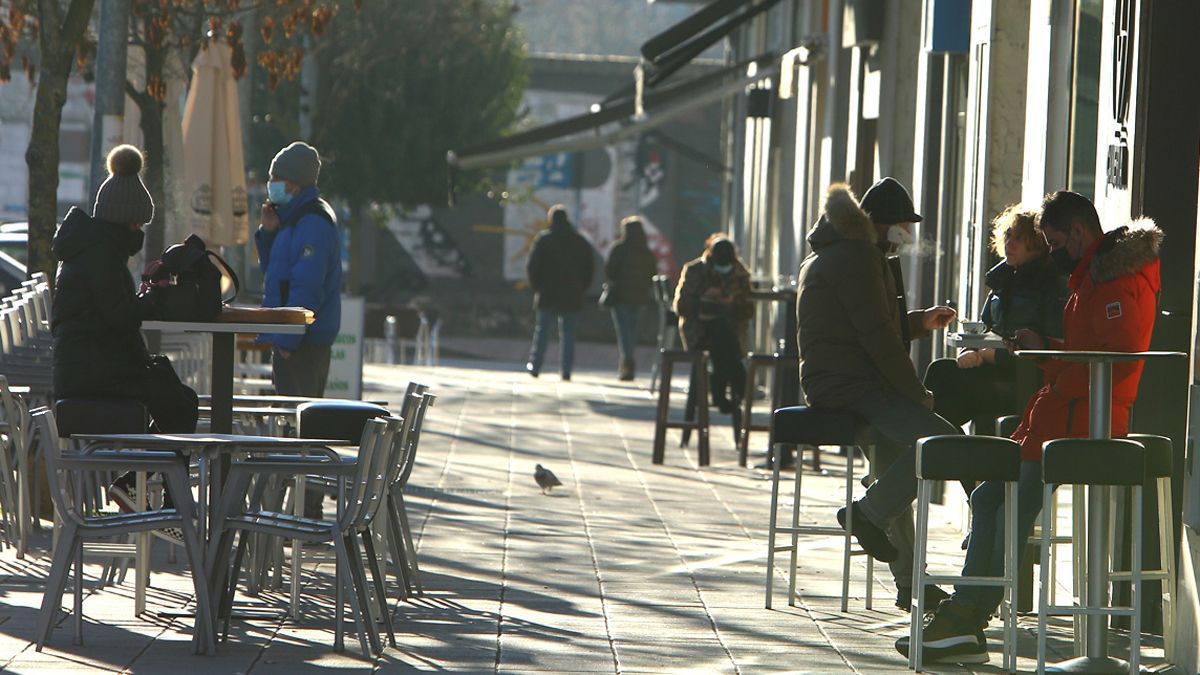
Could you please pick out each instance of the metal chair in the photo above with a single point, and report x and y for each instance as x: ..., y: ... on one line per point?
x: 697, y: 391
x: 972, y: 458
x: 800, y: 425
x: 355, y: 514
x: 79, y: 525
x: 400, y: 542
x: 1094, y: 462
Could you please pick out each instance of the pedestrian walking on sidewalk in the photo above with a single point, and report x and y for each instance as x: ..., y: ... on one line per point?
x: 630, y: 272
x: 560, y: 270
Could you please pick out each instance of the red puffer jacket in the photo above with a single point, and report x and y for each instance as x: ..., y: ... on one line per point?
x: 1113, y: 302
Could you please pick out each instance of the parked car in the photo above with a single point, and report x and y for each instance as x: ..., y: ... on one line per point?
x: 14, y: 238
x: 12, y: 273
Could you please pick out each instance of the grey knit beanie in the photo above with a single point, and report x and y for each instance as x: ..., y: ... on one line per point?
x: 123, y: 198
x: 299, y: 163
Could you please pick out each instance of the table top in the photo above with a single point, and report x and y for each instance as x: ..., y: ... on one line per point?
x: 1068, y: 355
x: 778, y: 294
x: 224, y: 327
x: 975, y: 340
x: 279, y: 399
x: 146, y: 441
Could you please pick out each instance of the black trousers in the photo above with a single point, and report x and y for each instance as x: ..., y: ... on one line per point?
x: 728, y: 380
x: 961, y: 395
x: 304, y: 373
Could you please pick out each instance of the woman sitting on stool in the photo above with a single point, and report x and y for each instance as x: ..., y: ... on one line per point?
x: 1027, y: 291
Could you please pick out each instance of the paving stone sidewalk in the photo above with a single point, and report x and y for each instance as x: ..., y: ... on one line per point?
x: 628, y: 568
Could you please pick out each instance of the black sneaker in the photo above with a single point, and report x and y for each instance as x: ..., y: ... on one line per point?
x: 967, y: 652
x: 933, y: 597
x: 872, y: 539
x: 952, y: 635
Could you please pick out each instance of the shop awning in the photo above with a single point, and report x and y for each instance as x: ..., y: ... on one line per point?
x: 618, y: 121
x: 669, y: 51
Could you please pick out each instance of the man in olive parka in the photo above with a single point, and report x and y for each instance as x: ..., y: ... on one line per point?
x: 854, y: 356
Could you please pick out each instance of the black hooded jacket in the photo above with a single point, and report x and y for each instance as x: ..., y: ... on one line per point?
x: 96, y: 319
x: 560, y: 268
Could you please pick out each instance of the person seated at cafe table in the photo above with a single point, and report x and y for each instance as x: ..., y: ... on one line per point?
x: 1114, y: 281
x: 854, y: 357
x: 96, y: 315
x: 714, y: 309
x: 1027, y: 290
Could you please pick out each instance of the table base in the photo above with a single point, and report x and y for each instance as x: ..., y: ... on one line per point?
x: 1090, y: 664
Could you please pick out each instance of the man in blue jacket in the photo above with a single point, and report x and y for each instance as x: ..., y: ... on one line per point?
x: 301, y: 257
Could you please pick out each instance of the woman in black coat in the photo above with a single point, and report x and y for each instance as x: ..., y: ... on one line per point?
x: 1027, y: 291
x: 97, y: 316
x: 630, y: 272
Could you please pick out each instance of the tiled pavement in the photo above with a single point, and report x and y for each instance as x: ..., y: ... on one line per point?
x: 628, y: 568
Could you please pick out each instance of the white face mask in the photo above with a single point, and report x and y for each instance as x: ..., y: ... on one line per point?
x: 898, y: 236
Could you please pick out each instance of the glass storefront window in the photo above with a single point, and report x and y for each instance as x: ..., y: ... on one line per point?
x: 1085, y: 95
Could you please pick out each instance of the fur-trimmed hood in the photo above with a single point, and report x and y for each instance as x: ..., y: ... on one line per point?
x: 843, y: 219
x: 1126, y: 250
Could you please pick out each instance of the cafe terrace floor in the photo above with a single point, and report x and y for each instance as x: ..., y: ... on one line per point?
x: 629, y: 567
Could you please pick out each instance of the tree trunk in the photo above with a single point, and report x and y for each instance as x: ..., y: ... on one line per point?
x: 155, y: 151
x: 356, y: 226
x: 42, y: 160
x: 58, y: 38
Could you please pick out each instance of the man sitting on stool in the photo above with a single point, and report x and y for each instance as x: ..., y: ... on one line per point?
x: 1114, y: 294
x: 854, y: 356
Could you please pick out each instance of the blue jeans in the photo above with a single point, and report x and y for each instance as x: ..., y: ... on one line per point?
x: 566, y: 339
x: 625, y: 320
x: 985, y: 551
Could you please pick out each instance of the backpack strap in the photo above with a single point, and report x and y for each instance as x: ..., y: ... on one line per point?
x: 317, y: 207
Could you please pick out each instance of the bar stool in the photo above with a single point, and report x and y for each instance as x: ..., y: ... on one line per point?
x: 1095, y: 463
x: 777, y: 362
x: 1159, y: 466
x: 698, y: 388
x: 801, y: 425
x: 956, y: 458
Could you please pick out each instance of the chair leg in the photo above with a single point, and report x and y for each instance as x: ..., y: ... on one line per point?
x: 363, y: 591
x: 1043, y: 590
x: 794, y: 561
x: 380, y: 585
x: 347, y: 587
x: 406, y: 531
x: 916, y: 626
x: 56, y: 584
x: 690, y: 405
x: 773, y: 521
x: 397, y: 547
x: 702, y: 409
x: 847, y: 541
x: 77, y: 551
x: 664, y: 410
x: 1166, y: 543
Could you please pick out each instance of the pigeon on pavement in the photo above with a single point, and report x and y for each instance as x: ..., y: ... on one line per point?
x: 545, y: 478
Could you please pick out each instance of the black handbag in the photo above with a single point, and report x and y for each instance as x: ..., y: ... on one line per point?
x: 185, y: 284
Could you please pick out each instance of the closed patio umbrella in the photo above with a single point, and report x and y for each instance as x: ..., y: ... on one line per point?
x: 214, y: 168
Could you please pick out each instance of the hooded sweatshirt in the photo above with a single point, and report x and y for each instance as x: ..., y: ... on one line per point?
x: 96, y: 316
x: 560, y: 268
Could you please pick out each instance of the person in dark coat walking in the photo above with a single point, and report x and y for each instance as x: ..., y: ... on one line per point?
x: 560, y: 271
x: 96, y: 316
x: 1027, y: 291
x: 630, y: 272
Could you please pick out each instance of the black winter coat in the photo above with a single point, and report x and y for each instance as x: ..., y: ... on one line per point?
x: 630, y: 271
x: 97, y: 316
x: 560, y: 269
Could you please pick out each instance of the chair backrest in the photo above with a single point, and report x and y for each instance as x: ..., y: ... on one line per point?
x: 408, y: 413
x: 14, y: 414
x: 414, y: 437
x: 367, y: 492
x: 62, y: 490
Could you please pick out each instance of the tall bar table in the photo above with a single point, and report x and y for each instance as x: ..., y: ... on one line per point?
x: 1096, y: 659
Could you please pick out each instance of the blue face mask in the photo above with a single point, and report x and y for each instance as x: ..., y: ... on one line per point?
x: 723, y: 269
x: 277, y: 193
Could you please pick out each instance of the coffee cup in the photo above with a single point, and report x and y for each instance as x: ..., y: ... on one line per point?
x: 973, y: 327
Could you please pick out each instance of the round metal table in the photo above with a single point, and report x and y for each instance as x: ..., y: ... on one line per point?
x: 1096, y: 658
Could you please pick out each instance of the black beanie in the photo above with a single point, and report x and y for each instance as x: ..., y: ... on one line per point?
x: 887, y: 202
x: 123, y: 198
